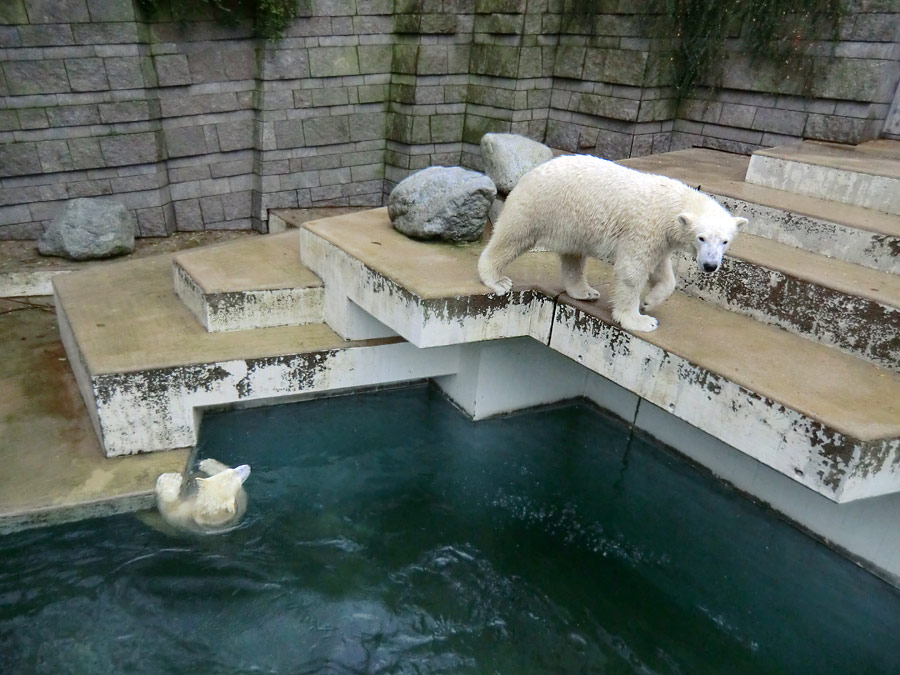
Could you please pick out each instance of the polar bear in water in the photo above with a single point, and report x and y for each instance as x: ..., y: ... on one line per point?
x: 581, y: 206
x: 209, y: 504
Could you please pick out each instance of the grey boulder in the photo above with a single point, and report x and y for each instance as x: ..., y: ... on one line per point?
x: 445, y: 203
x: 90, y: 228
x: 508, y: 157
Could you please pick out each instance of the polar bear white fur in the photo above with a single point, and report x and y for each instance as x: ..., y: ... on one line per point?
x: 581, y: 206
x: 217, y: 503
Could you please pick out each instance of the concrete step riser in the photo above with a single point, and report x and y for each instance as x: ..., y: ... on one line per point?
x: 881, y: 193
x: 855, y: 325
x: 842, y: 242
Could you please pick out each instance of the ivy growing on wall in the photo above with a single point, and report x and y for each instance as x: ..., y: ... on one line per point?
x: 270, y: 18
x: 783, y: 33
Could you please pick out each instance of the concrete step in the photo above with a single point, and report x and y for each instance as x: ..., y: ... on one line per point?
x: 845, y: 232
x: 823, y: 418
x: 866, y: 175
x: 146, y: 368
x: 855, y: 309
x: 24, y: 272
x: 251, y: 283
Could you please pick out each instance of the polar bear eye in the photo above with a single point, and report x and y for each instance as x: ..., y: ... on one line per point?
x: 725, y: 243
x: 703, y: 239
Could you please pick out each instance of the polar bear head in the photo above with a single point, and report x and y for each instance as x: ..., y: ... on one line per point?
x: 710, y: 230
x: 217, y: 496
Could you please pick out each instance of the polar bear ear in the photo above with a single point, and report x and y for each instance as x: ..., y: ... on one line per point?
x: 686, y: 220
x: 740, y: 222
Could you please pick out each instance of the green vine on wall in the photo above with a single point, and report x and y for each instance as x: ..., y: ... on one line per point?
x: 780, y: 32
x: 270, y: 18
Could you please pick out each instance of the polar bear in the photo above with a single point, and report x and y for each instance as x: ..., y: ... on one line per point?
x: 581, y: 206
x: 213, y: 503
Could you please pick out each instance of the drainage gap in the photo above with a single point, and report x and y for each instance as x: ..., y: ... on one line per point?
x: 553, y: 317
x: 625, y: 454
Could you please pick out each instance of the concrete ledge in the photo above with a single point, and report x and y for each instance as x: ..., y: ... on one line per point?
x: 254, y: 283
x: 794, y: 443
x: 146, y: 368
x: 54, y: 469
x: 845, y: 174
x: 429, y: 294
x: 851, y: 308
x: 853, y: 244
x: 131, y: 421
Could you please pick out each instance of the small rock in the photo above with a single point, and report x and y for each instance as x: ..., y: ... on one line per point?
x: 446, y: 203
x: 508, y: 157
x: 90, y: 228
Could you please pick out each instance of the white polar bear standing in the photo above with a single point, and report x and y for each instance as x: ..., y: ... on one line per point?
x: 581, y: 206
x: 217, y: 504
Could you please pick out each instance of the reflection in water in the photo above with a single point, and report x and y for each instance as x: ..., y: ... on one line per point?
x: 386, y: 533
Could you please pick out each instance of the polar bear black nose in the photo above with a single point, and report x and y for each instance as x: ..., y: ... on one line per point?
x: 710, y: 267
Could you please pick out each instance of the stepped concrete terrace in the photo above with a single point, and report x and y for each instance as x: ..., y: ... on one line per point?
x: 845, y: 232
x: 847, y: 305
x: 794, y: 417
x: 777, y: 397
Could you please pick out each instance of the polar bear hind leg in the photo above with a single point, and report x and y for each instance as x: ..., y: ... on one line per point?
x: 577, y: 287
x: 504, y: 247
x: 626, y: 297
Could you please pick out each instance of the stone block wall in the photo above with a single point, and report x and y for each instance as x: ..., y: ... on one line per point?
x: 845, y: 98
x: 613, y: 94
x: 202, y: 126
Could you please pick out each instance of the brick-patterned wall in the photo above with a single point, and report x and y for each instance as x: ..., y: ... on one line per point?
x: 201, y: 126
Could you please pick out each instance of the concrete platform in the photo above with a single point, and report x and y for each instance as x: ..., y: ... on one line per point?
x: 867, y: 175
x: 416, y: 289
x: 777, y: 397
x: 54, y: 469
x: 253, y: 283
x: 850, y: 233
x: 147, y: 374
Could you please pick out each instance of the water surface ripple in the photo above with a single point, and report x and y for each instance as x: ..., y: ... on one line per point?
x: 387, y: 533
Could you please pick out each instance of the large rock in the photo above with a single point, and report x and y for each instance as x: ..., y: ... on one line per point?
x: 90, y: 228
x: 508, y: 157
x: 446, y: 203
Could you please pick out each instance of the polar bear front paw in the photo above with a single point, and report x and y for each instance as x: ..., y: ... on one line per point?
x: 502, y: 286
x: 640, y: 323
x: 211, y: 466
x: 586, y: 293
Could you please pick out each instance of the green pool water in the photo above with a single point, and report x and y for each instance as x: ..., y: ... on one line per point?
x: 387, y: 533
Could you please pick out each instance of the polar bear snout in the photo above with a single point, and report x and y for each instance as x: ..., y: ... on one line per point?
x: 710, y: 253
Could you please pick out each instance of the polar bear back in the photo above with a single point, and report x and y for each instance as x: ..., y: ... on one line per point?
x: 580, y: 203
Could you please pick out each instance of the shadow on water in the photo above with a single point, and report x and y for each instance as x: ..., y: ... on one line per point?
x: 387, y: 533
